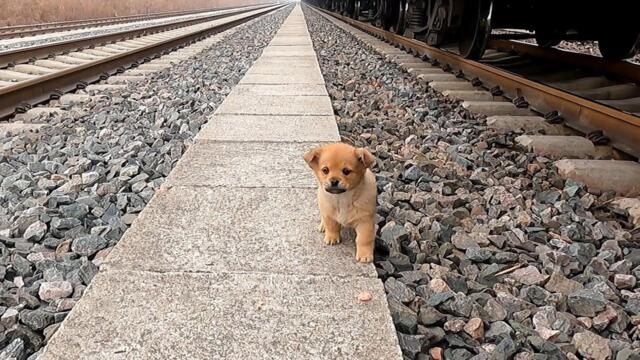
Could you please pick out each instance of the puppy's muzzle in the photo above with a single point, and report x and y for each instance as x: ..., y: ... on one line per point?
x: 334, y: 187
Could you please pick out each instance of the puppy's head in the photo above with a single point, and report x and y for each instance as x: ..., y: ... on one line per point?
x: 339, y: 167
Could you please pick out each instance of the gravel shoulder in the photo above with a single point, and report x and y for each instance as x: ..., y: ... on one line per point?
x: 69, y: 191
x: 485, y: 252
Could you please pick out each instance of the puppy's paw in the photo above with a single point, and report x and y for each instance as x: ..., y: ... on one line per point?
x: 364, y: 256
x: 331, y: 239
x: 321, y: 227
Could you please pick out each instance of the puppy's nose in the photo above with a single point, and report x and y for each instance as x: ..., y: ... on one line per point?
x: 335, y: 183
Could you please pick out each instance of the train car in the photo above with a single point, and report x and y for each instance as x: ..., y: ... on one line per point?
x: 469, y: 23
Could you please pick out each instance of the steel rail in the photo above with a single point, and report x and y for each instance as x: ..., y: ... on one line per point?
x: 18, y: 31
x: 42, y: 88
x: 616, y: 69
x: 623, y: 129
x: 23, y: 55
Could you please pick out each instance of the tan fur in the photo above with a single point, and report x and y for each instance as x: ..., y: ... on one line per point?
x: 356, y: 206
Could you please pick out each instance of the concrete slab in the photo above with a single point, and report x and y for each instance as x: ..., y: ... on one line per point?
x: 284, y: 40
x: 115, y: 47
x: 234, y: 230
x: 282, y: 51
x: 416, y: 71
x: 469, y: 95
x: 270, y: 128
x: 122, y: 79
x: 70, y: 60
x: 104, y: 87
x: 448, y: 85
x: 15, y: 76
x: 164, y: 61
x: 97, y: 52
x: 33, y: 69
x: 84, y: 56
x: 141, y: 315
x: 386, y: 50
x: 286, y: 62
x: 308, y: 77
x: 72, y: 99
x: 17, y: 128
x: 38, y: 113
x: 417, y: 64
x: 281, y: 90
x: 139, y: 72
x: 273, y: 105
x: 631, y: 206
x: 490, y: 108
x: 291, y: 48
x: 526, y: 124
x: 244, y: 164
x: 400, y: 56
x: 603, y: 175
x: 312, y: 69
x: 439, y: 77
x: 175, y: 58
x: 52, y: 64
x: 558, y: 146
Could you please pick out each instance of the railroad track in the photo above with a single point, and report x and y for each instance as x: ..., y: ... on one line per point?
x: 25, y: 85
x: 20, y: 31
x: 29, y: 54
x: 593, y: 96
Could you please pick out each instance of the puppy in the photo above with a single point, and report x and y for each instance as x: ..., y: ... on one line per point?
x: 346, y: 194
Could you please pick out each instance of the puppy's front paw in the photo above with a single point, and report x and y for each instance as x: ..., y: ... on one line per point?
x: 364, y: 256
x: 331, y: 239
x: 321, y: 227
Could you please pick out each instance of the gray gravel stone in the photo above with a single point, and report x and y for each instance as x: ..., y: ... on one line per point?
x: 501, y: 235
x: 399, y: 291
x: 586, y: 303
x: 88, y: 245
x: 35, y: 232
x: 36, y: 319
x: 405, y: 319
x: 14, y: 351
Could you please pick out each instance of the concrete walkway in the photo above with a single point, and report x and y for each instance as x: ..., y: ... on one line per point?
x: 225, y: 262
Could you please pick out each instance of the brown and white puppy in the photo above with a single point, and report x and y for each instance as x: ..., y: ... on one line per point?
x: 346, y: 194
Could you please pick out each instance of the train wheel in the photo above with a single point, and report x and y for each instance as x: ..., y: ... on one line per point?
x: 437, y: 15
x: 386, y: 16
x: 399, y: 14
x: 619, y: 46
x: 475, y: 28
x: 344, y: 8
x: 350, y: 8
x: 356, y: 10
x: 377, y: 9
x: 547, y: 39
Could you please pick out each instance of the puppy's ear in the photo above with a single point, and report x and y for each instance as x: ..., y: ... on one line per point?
x: 365, y: 157
x: 312, y: 157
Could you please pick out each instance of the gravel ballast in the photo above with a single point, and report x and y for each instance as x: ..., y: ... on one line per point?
x: 69, y: 192
x: 484, y: 251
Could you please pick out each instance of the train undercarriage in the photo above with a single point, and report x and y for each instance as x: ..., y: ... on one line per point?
x: 468, y: 24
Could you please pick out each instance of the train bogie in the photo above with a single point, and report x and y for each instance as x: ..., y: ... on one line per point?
x: 469, y: 23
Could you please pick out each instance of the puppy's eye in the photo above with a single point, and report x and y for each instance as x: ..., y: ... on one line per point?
x: 346, y: 171
x: 325, y: 170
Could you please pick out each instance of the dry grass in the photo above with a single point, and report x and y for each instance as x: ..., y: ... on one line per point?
x: 18, y: 12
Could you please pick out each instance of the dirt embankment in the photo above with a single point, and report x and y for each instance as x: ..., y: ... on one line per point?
x: 19, y: 12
